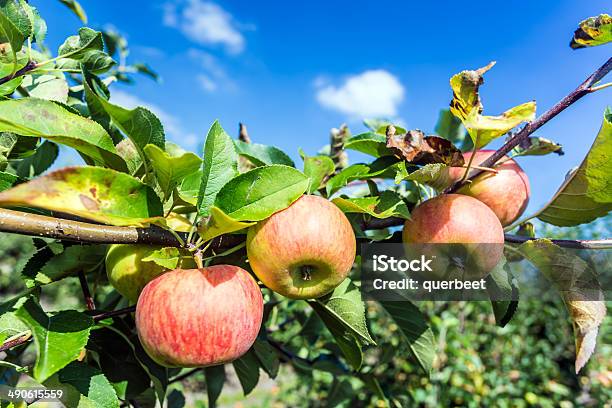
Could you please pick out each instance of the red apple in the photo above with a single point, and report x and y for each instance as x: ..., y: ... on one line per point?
x: 506, y: 193
x: 458, y: 219
x: 303, y: 251
x: 199, y: 317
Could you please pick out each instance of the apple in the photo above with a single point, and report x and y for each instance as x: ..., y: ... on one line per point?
x: 129, y: 274
x: 199, y: 317
x: 506, y: 193
x: 467, y: 223
x: 303, y: 251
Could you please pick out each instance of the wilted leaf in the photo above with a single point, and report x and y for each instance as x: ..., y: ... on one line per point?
x: 537, y: 146
x: 40, y: 118
x: 466, y: 105
x: 59, y: 337
x: 593, y: 31
x: 586, y: 193
x: 219, y: 223
x: 415, y: 147
x: 259, y: 193
x: 579, y: 288
x: 94, y: 193
x: 220, y: 165
x: 387, y: 204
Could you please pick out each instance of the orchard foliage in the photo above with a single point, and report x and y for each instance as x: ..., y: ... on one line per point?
x: 133, y: 177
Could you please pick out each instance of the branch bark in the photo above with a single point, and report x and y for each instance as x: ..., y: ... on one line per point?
x: 27, y: 68
x: 582, y: 90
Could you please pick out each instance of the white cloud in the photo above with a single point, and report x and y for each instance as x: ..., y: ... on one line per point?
x: 374, y: 93
x: 172, y: 126
x: 206, y: 23
x: 214, y: 76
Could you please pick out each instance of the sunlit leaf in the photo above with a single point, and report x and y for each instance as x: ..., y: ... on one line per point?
x: 586, y: 193
x: 51, y: 87
x: 593, y: 31
x: 537, y: 146
x: 435, y: 175
x: 59, y: 337
x: 41, y: 118
x: 77, y: 46
x: 171, y: 170
x: 93, y: 193
x: 387, y: 204
x: 262, y: 155
x: 219, y: 223
x: 317, y: 168
x: 15, y: 25
x: 76, y: 9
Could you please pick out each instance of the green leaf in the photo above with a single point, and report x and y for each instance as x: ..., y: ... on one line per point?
x: 586, y: 193
x: 15, y: 25
x: 166, y: 257
x: 40, y: 161
x: 247, y: 370
x: 94, y: 193
x: 146, y: 70
x: 59, y: 337
x: 83, y: 386
x: 77, y: 46
x: 388, y: 204
x: 267, y: 356
x: 39, y: 26
x: 10, y: 326
x: 466, y: 106
x: 8, y: 88
x: 215, y: 379
x: 189, y: 188
x: 76, y: 9
x: 219, y: 223
x: 450, y: 127
x: 415, y: 332
x: 370, y: 143
x: 592, y: 32
x: 485, y: 129
x: 262, y: 155
x: 380, y: 126
x: 537, y: 146
x: 384, y: 167
x: 50, y: 87
x: 94, y: 61
x: 579, y: 287
x: 7, y: 180
x: 436, y: 175
x: 317, y: 168
x: 219, y: 166
x: 170, y: 171
x: 503, y: 291
x: 139, y: 124
x: 259, y: 193
x: 73, y: 259
x: 40, y: 118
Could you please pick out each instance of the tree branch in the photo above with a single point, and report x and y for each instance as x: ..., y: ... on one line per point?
x: 27, y: 68
x: 86, y: 293
x: 113, y: 313
x: 565, y: 243
x: 584, y: 89
x: 15, y: 342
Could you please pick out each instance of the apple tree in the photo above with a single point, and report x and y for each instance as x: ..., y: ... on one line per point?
x: 238, y: 256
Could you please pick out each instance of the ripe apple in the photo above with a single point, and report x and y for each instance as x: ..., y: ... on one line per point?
x: 506, y: 193
x: 462, y: 220
x: 199, y: 317
x: 303, y: 251
x: 129, y: 274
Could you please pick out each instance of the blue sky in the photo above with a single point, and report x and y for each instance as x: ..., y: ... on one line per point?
x: 293, y: 70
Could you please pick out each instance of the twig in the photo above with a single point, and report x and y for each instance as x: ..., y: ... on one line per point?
x: 183, y: 376
x: 28, y: 67
x: 336, y: 147
x: 566, y: 243
x: 584, y: 89
x: 113, y: 313
x: 68, y: 230
x: 89, y: 302
x: 15, y: 342
x: 243, y: 134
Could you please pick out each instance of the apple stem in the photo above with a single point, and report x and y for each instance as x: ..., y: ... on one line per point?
x: 198, y: 259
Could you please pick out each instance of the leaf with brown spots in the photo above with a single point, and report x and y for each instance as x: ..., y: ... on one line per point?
x: 415, y: 147
x: 593, y: 31
x: 94, y: 193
